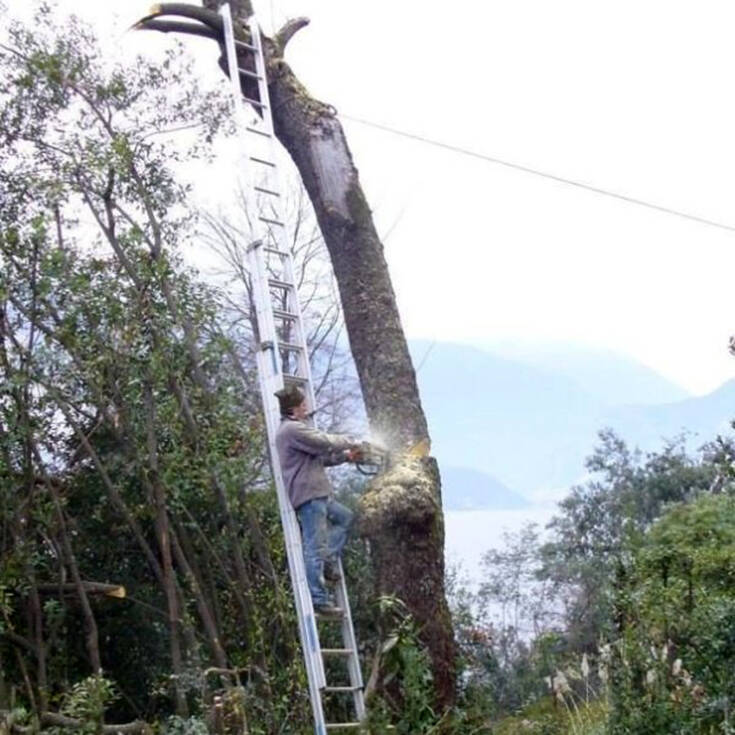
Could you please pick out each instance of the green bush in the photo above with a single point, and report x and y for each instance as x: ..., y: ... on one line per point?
x: 674, y: 661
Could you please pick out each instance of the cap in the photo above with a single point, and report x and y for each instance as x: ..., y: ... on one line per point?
x: 289, y: 397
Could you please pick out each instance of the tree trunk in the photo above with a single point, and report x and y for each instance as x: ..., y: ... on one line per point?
x: 164, y: 545
x: 402, y: 511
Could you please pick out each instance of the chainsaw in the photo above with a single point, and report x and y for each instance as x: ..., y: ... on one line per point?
x: 374, y: 459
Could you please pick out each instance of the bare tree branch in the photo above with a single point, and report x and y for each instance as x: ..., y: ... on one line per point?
x: 288, y: 31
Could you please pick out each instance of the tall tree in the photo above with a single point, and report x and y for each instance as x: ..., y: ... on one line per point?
x: 402, y: 512
x: 124, y: 450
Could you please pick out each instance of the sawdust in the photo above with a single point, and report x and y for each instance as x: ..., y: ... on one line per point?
x: 404, y: 494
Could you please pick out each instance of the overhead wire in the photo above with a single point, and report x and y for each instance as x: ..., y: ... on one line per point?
x: 538, y: 172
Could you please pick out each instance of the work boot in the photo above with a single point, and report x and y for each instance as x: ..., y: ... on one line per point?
x: 327, y: 608
x: 331, y: 572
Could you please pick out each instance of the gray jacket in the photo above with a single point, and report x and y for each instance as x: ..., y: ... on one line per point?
x: 303, y: 453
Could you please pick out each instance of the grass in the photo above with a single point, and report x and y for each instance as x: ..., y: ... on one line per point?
x: 548, y: 716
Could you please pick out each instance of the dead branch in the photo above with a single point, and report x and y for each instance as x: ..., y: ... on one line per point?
x: 287, y: 32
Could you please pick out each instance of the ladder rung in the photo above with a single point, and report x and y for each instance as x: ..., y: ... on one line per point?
x: 256, y: 103
x: 242, y: 44
x: 344, y: 725
x: 279, y: 284
x: 263, y: 161
x: 338, y: 651
x: 249, y: 73
x: 295, y: 378
x: 257, y: 132
x: 290, y: 346
x: 280, y: 314
x: 271, y: 221
x: 341, y: 689
x: 263, y: 190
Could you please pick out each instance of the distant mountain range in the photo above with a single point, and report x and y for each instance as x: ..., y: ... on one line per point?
x: 612, y: 378
x: 505, y: 430
x: 467, y: 489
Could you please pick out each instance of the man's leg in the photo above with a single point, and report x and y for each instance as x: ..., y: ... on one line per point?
x: 340, y: 519
x: 312, y: 516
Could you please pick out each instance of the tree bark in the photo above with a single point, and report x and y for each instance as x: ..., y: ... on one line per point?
x: 90, y: 624
x: 164, y: 544
x: 402, y: 511
x: 406, y: 528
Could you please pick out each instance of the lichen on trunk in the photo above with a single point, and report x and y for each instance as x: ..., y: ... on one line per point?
x: 401, y: 515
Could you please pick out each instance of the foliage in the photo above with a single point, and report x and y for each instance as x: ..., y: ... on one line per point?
x: 185, y: 726
x: 627, y: 605
x: 547, y: 716
x: 87, y: 701
x: 130, y: 435
x: 598, y: 521
x: 131, y: 440
x: 675, y: 651
x: 405, y: 689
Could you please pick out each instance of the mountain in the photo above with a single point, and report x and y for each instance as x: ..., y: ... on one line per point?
x: 467, y: 489
x: 702, y: 417
x: 531, y: 427
x: 527, y: 427
x: 612, y: 378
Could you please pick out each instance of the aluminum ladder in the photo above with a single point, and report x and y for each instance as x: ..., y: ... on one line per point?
x: 282, y: 358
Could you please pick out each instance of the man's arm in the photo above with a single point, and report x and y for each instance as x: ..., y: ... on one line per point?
x: 312, y: 441
x: 334, y: 458
x: 353, y: 454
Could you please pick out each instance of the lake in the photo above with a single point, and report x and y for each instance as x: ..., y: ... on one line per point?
x: 470, y: 533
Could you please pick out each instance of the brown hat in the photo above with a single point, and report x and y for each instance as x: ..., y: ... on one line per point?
x: 288, y: 398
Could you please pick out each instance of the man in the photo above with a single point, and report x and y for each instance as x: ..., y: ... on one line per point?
x: 303, y: 452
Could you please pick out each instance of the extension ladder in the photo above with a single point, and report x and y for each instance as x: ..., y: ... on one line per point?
x: 282, y: 358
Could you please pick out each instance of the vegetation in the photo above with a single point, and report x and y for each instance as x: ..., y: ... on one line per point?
x: 621, y: 621
x: 142, y: 572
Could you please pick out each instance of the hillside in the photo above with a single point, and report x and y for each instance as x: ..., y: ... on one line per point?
x: 700, y: 417
x: 467, y: 489
x: 612, y: 378
x: 531, y: 427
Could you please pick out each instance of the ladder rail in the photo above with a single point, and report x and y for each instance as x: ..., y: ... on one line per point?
x: 232, y: 67
x: 271, y: 380
x: 348, y: 636
x: 265, y: 186
x: 261, y: 72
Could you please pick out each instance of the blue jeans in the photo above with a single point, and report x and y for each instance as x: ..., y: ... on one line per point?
x: 324, y: 526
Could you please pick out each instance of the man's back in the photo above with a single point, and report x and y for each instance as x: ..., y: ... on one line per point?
x: 302, y: 452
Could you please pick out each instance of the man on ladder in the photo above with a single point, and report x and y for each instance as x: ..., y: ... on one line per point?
x: 303, y: 452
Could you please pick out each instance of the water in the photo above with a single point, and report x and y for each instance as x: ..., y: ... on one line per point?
x: 470, y: 533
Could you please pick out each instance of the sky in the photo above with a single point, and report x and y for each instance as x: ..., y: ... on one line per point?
x: 632, y: 97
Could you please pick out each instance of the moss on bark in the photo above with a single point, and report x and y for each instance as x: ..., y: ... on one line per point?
x: 400, y: 513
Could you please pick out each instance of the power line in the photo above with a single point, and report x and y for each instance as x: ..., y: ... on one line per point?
x: 544, y: 174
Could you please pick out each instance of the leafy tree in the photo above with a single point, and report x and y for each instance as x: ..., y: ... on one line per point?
x: 673, y: 662
x: 627, y: 604
x: 599, y: 520
x: 125, y: 455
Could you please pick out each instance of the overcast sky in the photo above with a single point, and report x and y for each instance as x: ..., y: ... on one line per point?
x: 635, y: 97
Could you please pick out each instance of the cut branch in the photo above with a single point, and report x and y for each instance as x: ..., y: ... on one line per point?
x: 288, y: 31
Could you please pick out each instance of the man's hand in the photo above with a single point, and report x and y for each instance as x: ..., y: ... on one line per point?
x: 354, y: 454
